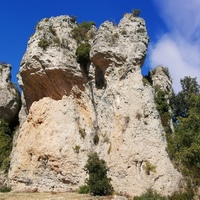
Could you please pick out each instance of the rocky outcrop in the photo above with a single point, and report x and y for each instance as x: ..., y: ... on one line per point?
x: 49, y: 67
x: 161, y: 79
x: 10, y: 97
x: 113, y: 114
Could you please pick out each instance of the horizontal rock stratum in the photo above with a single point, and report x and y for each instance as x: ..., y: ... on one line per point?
x: 67, y: 110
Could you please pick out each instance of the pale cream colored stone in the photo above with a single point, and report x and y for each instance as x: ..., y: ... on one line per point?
x: 9, y: 95
x: 53, y: 142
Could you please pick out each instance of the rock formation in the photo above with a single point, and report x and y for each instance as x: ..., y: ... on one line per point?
x: 10, y: 97
x: 113, y: 113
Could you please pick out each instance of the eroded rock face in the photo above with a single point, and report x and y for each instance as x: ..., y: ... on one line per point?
x: 10, y: 97
x: 49, y: 67
x: 122, y: 45
x: 161, y: 79
x: 53, y: 142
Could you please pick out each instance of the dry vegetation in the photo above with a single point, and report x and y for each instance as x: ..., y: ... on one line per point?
x: 49, y: 196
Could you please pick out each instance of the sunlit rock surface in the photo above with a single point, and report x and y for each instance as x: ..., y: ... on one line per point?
x: 68, y: 113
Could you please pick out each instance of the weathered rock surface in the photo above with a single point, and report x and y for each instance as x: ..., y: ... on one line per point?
x: 10, y: 97
x: 161, y: 79
x: 116, y: 107
x: 50, y: 71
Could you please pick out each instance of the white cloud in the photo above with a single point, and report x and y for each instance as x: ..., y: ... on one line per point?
x: 179, y: 48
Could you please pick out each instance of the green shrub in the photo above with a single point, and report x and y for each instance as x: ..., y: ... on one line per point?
x: 84, y: 189
x: 183, y: 146
x: 141, y: 30
x: 150, y: 195
x: 6, y: 163
x: 5, y: 189
x: 136, y: 12
x: 76, y: 149
x: 145, y: 81
x: 73, y: 18
x: 163, y: 109
x: 96, y: 139
x: 86, y: 25
x: 83, y: 53
x: 80, y: 33
x: 123, y: 32
x: 149, y: 168
x: 57, y: 41
x: 98, y: 181
x: 44, y: 43
x: 189, y: 194
x: 114, y: 38
x: 5, y: 145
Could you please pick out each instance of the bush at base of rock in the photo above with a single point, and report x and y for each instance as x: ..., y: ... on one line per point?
x: 84, y: 189
x: 98, y: 181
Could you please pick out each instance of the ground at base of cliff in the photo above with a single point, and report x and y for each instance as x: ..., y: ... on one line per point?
x: 50, y: 196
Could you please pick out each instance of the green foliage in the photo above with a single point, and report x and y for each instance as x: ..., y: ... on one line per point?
x: 84, y: 189
x: 141, y: 30
x: 44, y: 43
x: 98, y: 181
x: 80, y: 33
x: 187, y: 195
x: 150, y: 195
x: 149, y: 168
x: 5, y: 145
x: 83, y: 53
x: 182, y: 101
x: 76, y: 149
x: 123, y: 32
x: 73, y: 18
x: 86, y: 25
x: 96, y: 139
x: 184, y: 145
x: 5, y: 189
x: 114, y: 38
x: 136, y: 12
x: 163, y: 109
x: 145, y: 81
x: 57, y: 41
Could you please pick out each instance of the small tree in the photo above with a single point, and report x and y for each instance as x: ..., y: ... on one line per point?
x: 5, y: 145
x: 98, y: 181
x: 83, y: 53
x: 83, y: 56
x: 136, y: 12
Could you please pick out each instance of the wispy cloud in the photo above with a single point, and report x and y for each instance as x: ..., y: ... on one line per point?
x: 179, y: 48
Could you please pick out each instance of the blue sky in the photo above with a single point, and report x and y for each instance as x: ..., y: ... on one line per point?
x: 173, y: 28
